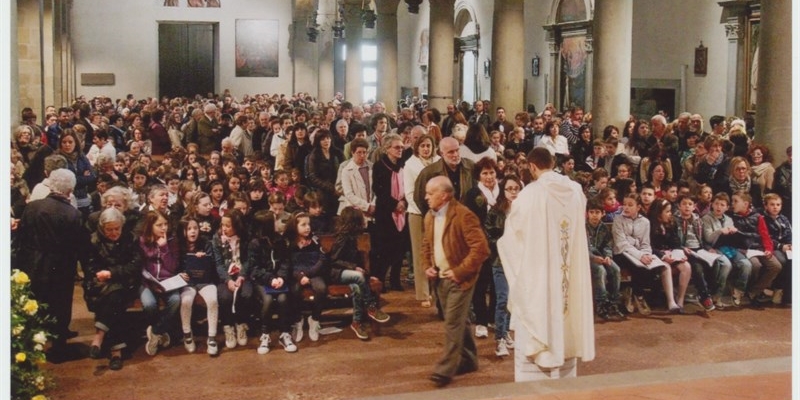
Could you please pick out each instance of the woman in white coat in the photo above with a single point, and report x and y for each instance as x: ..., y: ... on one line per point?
x: 424, y: 155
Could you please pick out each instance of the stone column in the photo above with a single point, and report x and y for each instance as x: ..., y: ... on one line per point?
x: 11, y: 102
x: 733, y: 32
x: 440, y: 64
x: 508, y: 51
x: 352, y: 33
x: 613, y: 22
x: 325, y: 52
x: 774, y: 86
x: 388, y: 89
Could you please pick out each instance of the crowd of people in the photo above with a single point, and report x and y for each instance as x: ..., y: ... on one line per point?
x: 224, y: 197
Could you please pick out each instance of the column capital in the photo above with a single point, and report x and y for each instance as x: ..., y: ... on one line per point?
x: 553, y: 47
x: 733, y: 31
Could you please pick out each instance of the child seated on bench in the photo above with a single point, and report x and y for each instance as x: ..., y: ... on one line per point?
x: 346, y: 269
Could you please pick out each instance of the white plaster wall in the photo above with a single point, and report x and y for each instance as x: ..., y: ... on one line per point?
x: 666, y: 34
x: 121, y: 37
x: 536, y: 12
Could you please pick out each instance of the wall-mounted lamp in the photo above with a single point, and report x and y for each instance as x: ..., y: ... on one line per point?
x: 535, y: 66
x: 487, y: 68
x: 368, y: 16
x: 338, y: 24
x: 413, y: 6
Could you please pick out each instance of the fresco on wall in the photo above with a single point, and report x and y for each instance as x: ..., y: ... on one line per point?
x: 573, y: 72
x: 257, y: 47
x: 571, y: 10
x: 193, y: 3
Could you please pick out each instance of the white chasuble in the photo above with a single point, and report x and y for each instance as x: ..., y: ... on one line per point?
x: 545, y: 257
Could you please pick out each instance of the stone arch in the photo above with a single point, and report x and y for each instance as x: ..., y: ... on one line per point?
x: 552, y: 18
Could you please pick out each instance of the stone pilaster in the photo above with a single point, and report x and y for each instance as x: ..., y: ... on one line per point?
x: 508, y: 50
x: 440, y: 65
x: 613, y: 22
x: 353, y: 74
x: 774, y: 85
x: 388, y: 89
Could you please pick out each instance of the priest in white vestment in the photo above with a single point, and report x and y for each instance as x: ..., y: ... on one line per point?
x: 545, y: 256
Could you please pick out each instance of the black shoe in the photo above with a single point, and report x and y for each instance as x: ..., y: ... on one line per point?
x: 94, y: 352
x: 397, y: 287
x: 115, y: 364
x: 465, y: 369
x: 763, y: 298
x: 440, y: 380
x: 602, y: 312
x: 63, y: 353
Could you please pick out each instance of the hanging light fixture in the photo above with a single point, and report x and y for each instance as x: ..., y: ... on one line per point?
x: 413, y: 6
x: 368, y: 16
x: 338, y: 24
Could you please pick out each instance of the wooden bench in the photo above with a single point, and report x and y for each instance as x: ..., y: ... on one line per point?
x: 338, y: 292
x: 335, y: 292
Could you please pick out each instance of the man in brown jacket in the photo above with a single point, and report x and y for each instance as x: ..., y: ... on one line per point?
x: 453, y: 249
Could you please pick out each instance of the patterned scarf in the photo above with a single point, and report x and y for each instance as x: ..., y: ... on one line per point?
x: 398, y: 193
x: 737, y: 186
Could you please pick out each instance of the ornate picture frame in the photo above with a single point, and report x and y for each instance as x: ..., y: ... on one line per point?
x: 701, y: 60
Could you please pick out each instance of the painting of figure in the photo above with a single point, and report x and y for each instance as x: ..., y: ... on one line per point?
x: 573, y: 71
x: 257, y: 48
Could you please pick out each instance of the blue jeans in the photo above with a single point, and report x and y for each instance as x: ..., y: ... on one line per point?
x: 605, y: 282
x: 743, y: 268
x: 722, y: 269
x: 165, y: 320
x: 362, y: 295
x: 501, y: 315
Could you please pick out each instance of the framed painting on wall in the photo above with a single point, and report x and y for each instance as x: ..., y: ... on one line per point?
x: 257, y: 47
x: 751, y: 64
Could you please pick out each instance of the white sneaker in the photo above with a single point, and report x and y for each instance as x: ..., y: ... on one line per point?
x: 509, y: 341
x: 502, y: 349
x: 777, y: 297
x: 241, y: 334
x: 230, y: 336
x: 297, y: 331
x: 212, y: 349
x: 313, y: 329
x: 164, y: 341
x: 151, y: 348
x: 481, y: 331
x: 188, y: 342
x: 286, y: 342
x: 263, y: 348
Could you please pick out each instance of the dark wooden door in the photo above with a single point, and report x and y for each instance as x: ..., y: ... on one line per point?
x: 185, y: 59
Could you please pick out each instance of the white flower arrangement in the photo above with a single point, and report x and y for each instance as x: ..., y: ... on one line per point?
x: 28, y: 339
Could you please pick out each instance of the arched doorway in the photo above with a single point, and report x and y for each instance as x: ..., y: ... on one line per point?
x: 569, y: 37
x: 467, y: 45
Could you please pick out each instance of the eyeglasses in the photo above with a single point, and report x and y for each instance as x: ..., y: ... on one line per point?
x: 397, y: 147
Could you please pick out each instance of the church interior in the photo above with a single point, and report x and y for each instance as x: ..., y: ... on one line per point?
x: 617, y: 59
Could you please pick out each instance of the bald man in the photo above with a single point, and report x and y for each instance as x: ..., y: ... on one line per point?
x: 454, y: 248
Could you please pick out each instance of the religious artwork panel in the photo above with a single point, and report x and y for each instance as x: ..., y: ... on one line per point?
x: 573, y: 71
x: 257, y: 48
x: 751, y: 64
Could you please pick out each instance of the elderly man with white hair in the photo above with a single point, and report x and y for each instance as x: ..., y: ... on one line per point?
x: 50, y: 235
x: 207, y: 129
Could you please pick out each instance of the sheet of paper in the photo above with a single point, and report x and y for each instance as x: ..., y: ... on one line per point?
x: 176, y: 282
x: 754, y: 253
